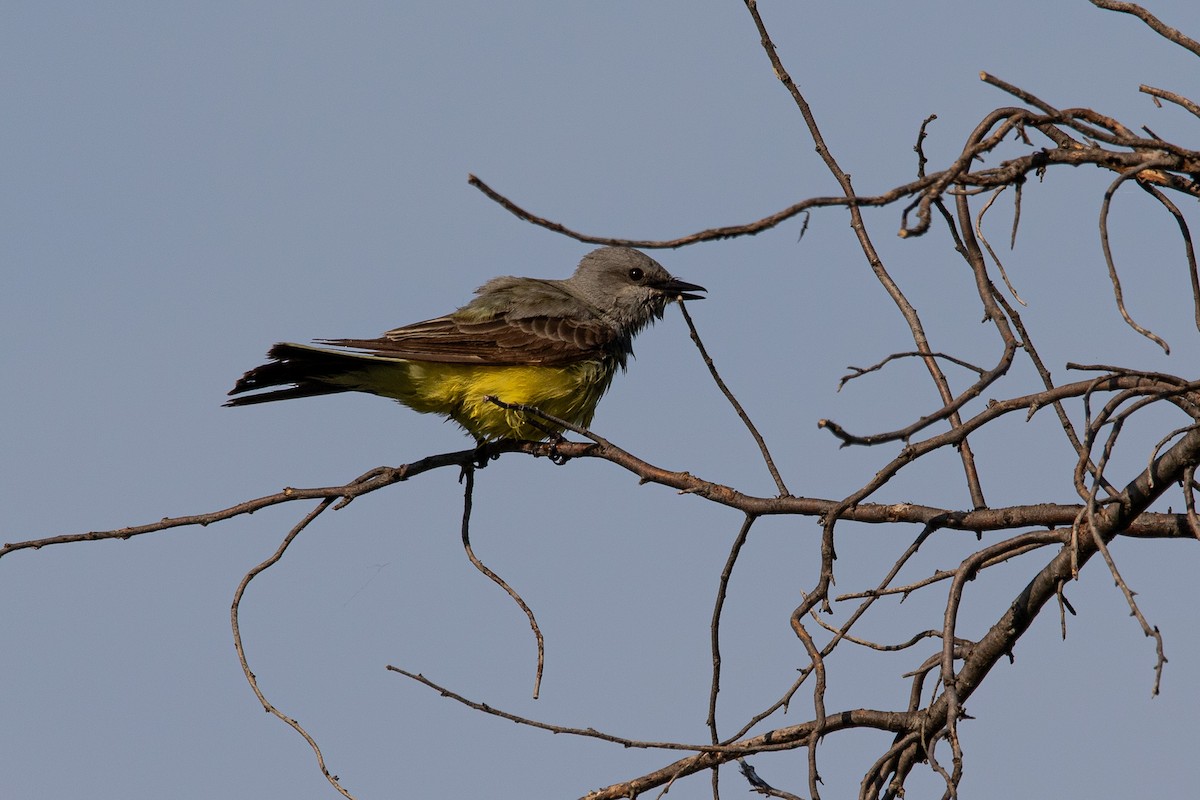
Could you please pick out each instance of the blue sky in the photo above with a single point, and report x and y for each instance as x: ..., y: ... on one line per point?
x: 184, y: 184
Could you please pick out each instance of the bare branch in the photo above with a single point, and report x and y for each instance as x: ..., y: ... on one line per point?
x: 757, y: 784
x: 1157, y: 25
x: 1179, y: 100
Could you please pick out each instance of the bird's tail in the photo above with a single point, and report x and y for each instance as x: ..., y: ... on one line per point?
x: 301, y: 371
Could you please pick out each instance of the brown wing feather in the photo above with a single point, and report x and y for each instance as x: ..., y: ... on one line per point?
x: 498, y: 341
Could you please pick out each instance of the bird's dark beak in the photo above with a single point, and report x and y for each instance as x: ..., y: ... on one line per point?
x: 681, y: 290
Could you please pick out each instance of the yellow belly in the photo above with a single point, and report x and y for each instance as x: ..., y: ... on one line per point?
x: 458, y: 391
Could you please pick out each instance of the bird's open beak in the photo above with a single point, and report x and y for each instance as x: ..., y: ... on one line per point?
x: 681, y: 290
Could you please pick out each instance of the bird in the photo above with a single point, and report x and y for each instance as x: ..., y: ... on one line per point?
x: 554, y: 345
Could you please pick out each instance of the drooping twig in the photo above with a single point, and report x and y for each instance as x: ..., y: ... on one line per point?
x: 241, y: 651
x: 1102, y: 547
x: 468, y: 491
x: 1108, y: 257
x: 1189, y: 250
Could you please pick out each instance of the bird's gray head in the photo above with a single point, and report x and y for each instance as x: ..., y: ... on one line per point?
x: 628, y: 287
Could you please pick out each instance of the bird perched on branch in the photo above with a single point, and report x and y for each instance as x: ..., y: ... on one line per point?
x: 554, y: 345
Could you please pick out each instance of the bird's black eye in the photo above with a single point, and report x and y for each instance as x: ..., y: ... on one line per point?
x: 636, y: 274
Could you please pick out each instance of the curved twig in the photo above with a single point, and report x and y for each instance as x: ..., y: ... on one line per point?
x: 1108, y: 257
x: 861, y: 371
x: 1189, y: 250
x: 468, y: 475
x: 241, y: 652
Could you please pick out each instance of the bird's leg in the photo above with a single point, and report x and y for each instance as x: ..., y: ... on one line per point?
x: 483, y: 453
x: 553, y: 435
x: 556, y: 457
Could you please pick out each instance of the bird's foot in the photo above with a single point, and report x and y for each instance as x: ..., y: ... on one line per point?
x: 484, y: 454
x: 553, y: 453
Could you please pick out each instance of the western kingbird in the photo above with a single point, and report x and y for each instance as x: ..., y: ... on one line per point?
x: 551, y: 344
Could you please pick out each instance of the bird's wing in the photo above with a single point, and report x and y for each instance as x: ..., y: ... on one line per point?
x: 494, y: 341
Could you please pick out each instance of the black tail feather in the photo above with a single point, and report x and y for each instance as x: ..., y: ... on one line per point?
x: 301, y: 370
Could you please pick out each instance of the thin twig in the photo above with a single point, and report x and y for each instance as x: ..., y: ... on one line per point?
x: 785, y: 739
x: 1150, y: 631
x: 1108, y: 257
x: 860, y: 371
x: 733, y: 401
x: 1018, y: 545
x: 988, y: 246
x: 819, y: 685
x: 590, y: 733
x: 1017, y: 194
x: 1189, y: 250
x: 241, y: 651
x: 468, y: 490
x: 1178, y: 99
x: 715, y: 626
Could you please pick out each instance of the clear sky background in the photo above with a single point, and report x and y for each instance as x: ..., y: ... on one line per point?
x: 184, y: 184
